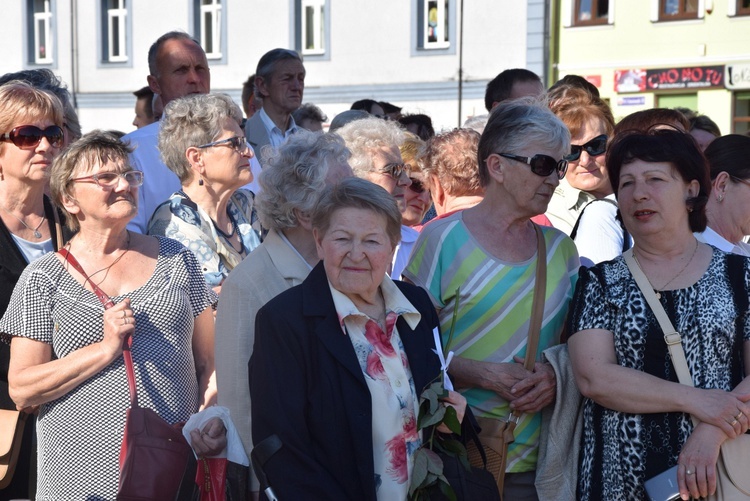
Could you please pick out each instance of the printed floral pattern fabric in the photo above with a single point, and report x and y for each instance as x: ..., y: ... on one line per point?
x: 386, y: 369
x: 181, y: 219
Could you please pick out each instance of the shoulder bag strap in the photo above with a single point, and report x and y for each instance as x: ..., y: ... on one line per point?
x: 671, y: 336
x: 537, y: 311
x: 537, y: 305
x: 108, y: 303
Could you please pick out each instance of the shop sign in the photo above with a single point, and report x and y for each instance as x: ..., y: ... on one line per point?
x: 632, y: 101
x: 693, y: 77
x: 737, y: 76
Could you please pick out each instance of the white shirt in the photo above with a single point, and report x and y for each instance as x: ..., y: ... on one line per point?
x: 159, y: 182
x: 709, y: 236
x: 33, y: 250
x: 403, y: 250
x: 600, y: 236
x: 275, y: 135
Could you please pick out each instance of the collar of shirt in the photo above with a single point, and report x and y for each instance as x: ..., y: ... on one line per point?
x: 574, y: 198
x: 395, y: 301
x: 275, y: 135
x: 710, y: 236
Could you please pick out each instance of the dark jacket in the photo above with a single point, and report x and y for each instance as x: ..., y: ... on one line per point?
x: 307, y: 387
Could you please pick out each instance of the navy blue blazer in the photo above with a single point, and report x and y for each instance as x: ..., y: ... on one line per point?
x: 307, y: 387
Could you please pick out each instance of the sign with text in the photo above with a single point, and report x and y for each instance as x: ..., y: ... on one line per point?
x: 693, y: 77
x: 737, y: 76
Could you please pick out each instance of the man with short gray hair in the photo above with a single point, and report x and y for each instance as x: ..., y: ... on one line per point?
x: 280, y: 83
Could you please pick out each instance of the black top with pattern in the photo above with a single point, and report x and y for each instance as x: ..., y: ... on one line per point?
x: 619, y: 450
x: 80, y: 433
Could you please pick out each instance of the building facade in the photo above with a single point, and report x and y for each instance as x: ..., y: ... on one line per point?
x: 661, y: 53
x: 407, y: 52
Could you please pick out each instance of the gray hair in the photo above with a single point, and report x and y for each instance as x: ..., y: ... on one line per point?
x: 364, y: 137
x: 517, y: 124
x: 309, y: 111
x: 192, y: 121
x: 269, y: 60
x: 357, y: 193
x: 98, y: 146
x: 294, y: 175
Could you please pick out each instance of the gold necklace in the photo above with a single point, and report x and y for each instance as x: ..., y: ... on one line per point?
x: 37, y: 234
x: 663, y: 287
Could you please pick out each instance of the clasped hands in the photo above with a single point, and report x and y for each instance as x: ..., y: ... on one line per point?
x: 527, y: 391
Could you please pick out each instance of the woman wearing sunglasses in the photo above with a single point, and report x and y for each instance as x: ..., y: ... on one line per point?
x: 584, y: 205
x: 30, y: 138
x: 417, y: 196
x: 201, y: 141
x: 66, y: 345
x: 491, y: 252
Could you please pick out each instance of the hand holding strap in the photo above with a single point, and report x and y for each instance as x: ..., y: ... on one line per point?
x: 108, y: 303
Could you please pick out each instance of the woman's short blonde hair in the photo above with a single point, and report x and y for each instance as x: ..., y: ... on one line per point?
x: 96, y: 147
x: 366, y: 136
x: 20, y: 104
x: 192, y: 121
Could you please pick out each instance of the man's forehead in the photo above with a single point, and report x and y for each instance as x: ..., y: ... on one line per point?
x: 178, y: 51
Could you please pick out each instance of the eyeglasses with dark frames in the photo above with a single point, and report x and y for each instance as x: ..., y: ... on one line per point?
x: 541, y: 165
x: 395, y: 170
x: 238, y: 144
x: 110, y: 179
x: 29, y: 136
x: 594, y: 147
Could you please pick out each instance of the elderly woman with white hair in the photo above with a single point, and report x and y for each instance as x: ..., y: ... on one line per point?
x: 494, y: 252
x: 201, y: 141
x: 292, y: 180
x: 375, y: 144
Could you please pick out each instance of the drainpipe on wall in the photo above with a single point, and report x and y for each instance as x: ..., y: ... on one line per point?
x: 74, y: 52
x: 460, y: 59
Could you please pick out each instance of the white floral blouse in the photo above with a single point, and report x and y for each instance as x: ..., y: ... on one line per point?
x: 394, y: 399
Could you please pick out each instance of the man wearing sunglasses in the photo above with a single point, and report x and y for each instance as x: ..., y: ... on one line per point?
x: 177, y: 68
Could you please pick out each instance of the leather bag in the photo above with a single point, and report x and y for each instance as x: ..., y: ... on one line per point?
x: 497, y: 434
x: 154, y: 454
x: 11, y: 434
x: 732, y: 479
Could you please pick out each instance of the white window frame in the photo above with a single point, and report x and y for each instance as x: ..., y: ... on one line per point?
x: 318, y: 28
x: 443, y: 41
x: 118, y: 15
x: 45, y: 19
x: 214, y: 8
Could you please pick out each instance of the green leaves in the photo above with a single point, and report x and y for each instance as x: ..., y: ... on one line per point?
x: 427, y: 473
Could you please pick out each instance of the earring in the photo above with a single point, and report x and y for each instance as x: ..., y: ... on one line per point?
x: 720, y: 198
x: 200, y: 182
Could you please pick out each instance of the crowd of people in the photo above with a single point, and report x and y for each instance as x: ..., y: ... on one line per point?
x: 313, y: 282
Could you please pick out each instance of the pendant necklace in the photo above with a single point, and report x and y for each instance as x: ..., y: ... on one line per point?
x: 37, y: 234
x: 657, y: 292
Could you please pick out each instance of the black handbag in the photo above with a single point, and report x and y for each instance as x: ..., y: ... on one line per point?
x: 475, y: 483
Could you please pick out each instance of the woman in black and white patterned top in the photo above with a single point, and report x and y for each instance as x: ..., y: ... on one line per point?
x: 66, y: 348
x: 636, y: 415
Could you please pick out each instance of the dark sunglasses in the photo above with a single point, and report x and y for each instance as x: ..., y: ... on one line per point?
x: 417, y: 186
x: 395, y: 170
x: 29, y: 136
x: 541, y: 165
x: 595, y: 147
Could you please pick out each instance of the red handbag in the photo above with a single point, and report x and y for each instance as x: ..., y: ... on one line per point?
x: 154, y: 455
